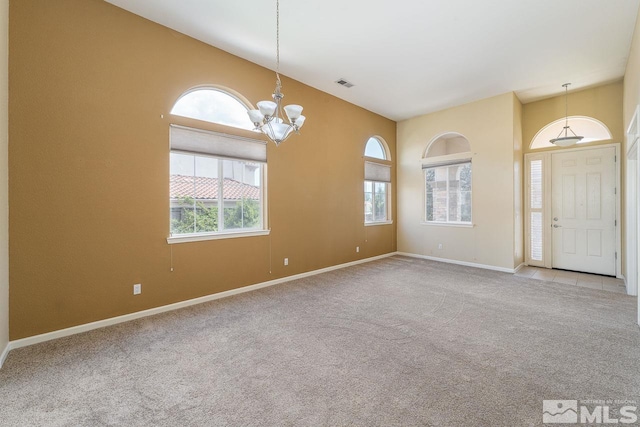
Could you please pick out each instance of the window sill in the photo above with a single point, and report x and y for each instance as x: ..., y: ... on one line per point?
x: 185, y: 238
x: 448, y: 224
x: 371, y: 224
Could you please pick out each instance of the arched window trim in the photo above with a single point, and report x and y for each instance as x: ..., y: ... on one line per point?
x: 385, y: 148
x: 228, y: 91
x: 447, y: 158
x: 218, y: 88
x: 562, y: 120
x: 425, y: 153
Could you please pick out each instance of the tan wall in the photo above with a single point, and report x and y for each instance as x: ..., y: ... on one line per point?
x: 518, y: 184
x: 4, y: 189
x: 89, y: 164
x: 489, y: 126
x: 602, y: 102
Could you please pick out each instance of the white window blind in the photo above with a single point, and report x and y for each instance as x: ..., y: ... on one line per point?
x: 535, y: 201
x: 217, y: 144
x: 377, y: 172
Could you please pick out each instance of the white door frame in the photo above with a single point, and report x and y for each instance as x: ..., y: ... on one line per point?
x: 632, y: 274
x: 631, y: 229
x: 546, y: 217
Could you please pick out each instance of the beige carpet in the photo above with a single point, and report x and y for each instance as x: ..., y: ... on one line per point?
x: 395, y: 342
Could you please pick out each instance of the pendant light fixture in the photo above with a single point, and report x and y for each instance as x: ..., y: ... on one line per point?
x: 566, y: 140
x: 269, y: 117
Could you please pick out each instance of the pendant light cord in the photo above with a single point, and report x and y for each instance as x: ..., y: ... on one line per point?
x: 566, y: 105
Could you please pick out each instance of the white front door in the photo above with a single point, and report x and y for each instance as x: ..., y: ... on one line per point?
x: 583, y: 210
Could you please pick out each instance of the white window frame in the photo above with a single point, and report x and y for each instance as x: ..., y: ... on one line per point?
x: 387, y: 204
x: 377, y: 170
x: 221, y: 147
x: 545, y: 210
x: 453, y: 160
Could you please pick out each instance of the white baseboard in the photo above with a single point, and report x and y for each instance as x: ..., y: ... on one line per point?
x: 157, y: 310
x: 627, y: 285
x: 467, y: 264
x: 520, y: 267
x: 4, y: 354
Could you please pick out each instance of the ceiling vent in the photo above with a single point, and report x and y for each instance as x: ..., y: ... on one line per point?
x: 344, y: 83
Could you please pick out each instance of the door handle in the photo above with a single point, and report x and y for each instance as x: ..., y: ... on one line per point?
x: 556, y: 226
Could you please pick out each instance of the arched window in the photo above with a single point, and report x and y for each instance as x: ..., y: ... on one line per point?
x: 588, y: 127
x: 216, y: 182
x: 447, y: 171
x: 376, y: 148
x: 377, y: 182
x: 215, y: 106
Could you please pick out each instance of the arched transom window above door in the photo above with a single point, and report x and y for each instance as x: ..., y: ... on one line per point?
x: 591, y: 129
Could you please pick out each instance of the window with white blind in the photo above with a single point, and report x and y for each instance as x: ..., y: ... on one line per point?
x: 536, y: 231
x: 377, y: 183
x: 216, y: 184
x: 447, y: 176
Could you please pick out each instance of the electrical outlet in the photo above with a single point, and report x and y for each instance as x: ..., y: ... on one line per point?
x: 439, y: 245
x: 137, y: 289
x: 286, y: 261
x: 357, y: 249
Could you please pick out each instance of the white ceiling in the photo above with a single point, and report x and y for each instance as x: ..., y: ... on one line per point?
x: 412, y: 57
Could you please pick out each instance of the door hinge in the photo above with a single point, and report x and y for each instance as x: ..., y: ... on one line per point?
x: 615, y: 159
x: 616, y: 255
x: 615, y: 222
x: 615, y: 190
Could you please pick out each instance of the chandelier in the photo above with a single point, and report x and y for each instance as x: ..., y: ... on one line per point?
x: 566, y: 140
x: 269, y: 117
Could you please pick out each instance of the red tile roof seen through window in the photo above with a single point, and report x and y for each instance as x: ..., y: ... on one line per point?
x: 207, y: 188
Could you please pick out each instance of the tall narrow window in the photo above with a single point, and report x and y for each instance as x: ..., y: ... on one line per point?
x: 535, y: 210
x: 377, y: 182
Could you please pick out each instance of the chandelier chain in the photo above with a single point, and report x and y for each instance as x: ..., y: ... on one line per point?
x: 566, y: 140
x: 276, y: 122
x: 278, y: 40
